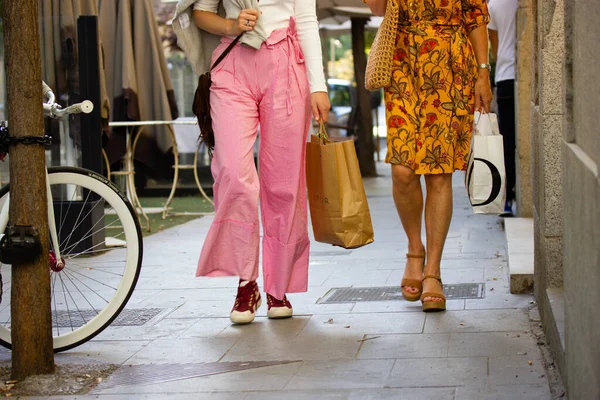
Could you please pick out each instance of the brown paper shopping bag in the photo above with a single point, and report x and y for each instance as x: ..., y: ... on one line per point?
x: 338, y: 204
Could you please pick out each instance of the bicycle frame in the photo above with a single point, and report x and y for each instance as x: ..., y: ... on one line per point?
x: 53, y: 110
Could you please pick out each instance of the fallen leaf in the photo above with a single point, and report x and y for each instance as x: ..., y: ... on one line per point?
x: 462, y: 324
x: 530, y: 362
x: 330, y: 321
x: 347, y: 327
x: 371, y: 338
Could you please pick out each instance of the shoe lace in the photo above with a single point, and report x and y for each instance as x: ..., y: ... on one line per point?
x: 273, y: 302
x: 245, y: 295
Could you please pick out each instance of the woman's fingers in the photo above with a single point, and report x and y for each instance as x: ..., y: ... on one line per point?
x: 320, y: 105
x: 247, y: 19
x: 324, y: 111
x: 315, y: 111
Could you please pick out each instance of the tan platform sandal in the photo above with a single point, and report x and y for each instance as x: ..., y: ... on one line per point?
x: 433, y: 305
x: 416, y: 283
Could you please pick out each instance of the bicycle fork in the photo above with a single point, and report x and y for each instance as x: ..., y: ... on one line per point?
x: 58, y: 264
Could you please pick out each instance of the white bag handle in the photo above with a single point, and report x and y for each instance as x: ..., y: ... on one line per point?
x: 484, y: 132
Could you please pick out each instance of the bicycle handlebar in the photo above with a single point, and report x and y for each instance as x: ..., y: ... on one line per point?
x: 54, y: 110
x: 48, y: 94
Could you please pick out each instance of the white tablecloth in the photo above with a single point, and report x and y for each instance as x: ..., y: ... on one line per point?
x: 186, y: 136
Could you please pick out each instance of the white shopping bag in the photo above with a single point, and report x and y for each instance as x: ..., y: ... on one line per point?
x: 486, y: 177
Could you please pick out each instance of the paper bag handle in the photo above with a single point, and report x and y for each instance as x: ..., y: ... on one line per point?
x: 479, y: 117
x: 322, y: 134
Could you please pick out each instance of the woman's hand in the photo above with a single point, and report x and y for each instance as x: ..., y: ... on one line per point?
x: 245, y: 22
x: 483, y: 93
x: 319, y: 101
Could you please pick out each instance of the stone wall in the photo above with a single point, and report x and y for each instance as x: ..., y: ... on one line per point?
x: 581, y: 150
x: 547, y: 117
x: 525, y: 45
x: 562, y: 101
x: 547, y: 132
x: 541, y: 61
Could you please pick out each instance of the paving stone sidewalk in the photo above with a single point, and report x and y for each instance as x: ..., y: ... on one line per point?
x: 478, y: 349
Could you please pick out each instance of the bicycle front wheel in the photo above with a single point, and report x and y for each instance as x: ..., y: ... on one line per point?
x: 100, y: 244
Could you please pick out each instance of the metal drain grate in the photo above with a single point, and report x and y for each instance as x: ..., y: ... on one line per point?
x: 391, y: 293
x: 150, y: 374
x: 464, y: 291
x: 127, y: 317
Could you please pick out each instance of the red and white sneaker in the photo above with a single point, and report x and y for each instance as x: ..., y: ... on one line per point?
x: 279, y: 309
x: 246, y: 303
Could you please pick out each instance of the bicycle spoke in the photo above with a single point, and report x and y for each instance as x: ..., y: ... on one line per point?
x: 85, y: 252
x: 75, y: 303
x: 62, y: 221
x: 82, y: 295
x: 91, y: 279
x: 55, y: 307
x: 78, y: 217
x: 66, y: 303
x: 5, y: 322
x: 95, y: 262
x: 87, y: 235
x: 96, y: 269
x: 83, y: 283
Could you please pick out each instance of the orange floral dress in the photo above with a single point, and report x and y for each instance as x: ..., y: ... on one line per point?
x: 430, y: 101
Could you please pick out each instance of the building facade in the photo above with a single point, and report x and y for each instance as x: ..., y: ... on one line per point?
x: 558, y: 186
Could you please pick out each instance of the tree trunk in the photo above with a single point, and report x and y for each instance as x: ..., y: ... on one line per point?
x: 366, y: 147
x: 31, y: 319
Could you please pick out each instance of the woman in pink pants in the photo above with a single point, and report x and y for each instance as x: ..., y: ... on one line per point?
x: 275, y: 80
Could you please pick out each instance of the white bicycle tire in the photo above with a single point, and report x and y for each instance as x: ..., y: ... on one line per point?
x: 134, y: 250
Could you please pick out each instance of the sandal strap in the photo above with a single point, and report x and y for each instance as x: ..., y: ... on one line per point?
x: 436, y: 277
x: 409, y: 255
x: 412, y: 282
x: 433, y: 294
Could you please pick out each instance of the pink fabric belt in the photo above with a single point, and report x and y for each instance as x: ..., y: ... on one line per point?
x: 294, y: 51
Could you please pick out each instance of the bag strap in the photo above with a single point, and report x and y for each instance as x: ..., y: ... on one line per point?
x: 227, y: 50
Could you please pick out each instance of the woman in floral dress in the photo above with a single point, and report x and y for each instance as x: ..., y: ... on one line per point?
x: 440, y: 76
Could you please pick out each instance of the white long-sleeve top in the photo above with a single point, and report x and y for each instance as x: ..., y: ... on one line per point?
x: 275, y: 15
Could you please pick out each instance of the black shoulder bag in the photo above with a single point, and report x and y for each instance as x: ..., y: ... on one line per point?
x: 201, y: 106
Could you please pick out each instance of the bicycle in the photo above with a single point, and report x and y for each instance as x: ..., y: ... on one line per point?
x: 96, y: 246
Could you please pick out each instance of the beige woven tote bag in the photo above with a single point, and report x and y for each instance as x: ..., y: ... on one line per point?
x: 379, y: 64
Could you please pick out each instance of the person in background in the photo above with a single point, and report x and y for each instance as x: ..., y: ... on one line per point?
x: 274, y: 77
x: 503, y: 38
x: 440, y: 76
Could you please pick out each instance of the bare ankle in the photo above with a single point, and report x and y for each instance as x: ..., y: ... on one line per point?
x: 418, y: 249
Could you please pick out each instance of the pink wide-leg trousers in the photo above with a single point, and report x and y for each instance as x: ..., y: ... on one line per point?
x: 267, y: 87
